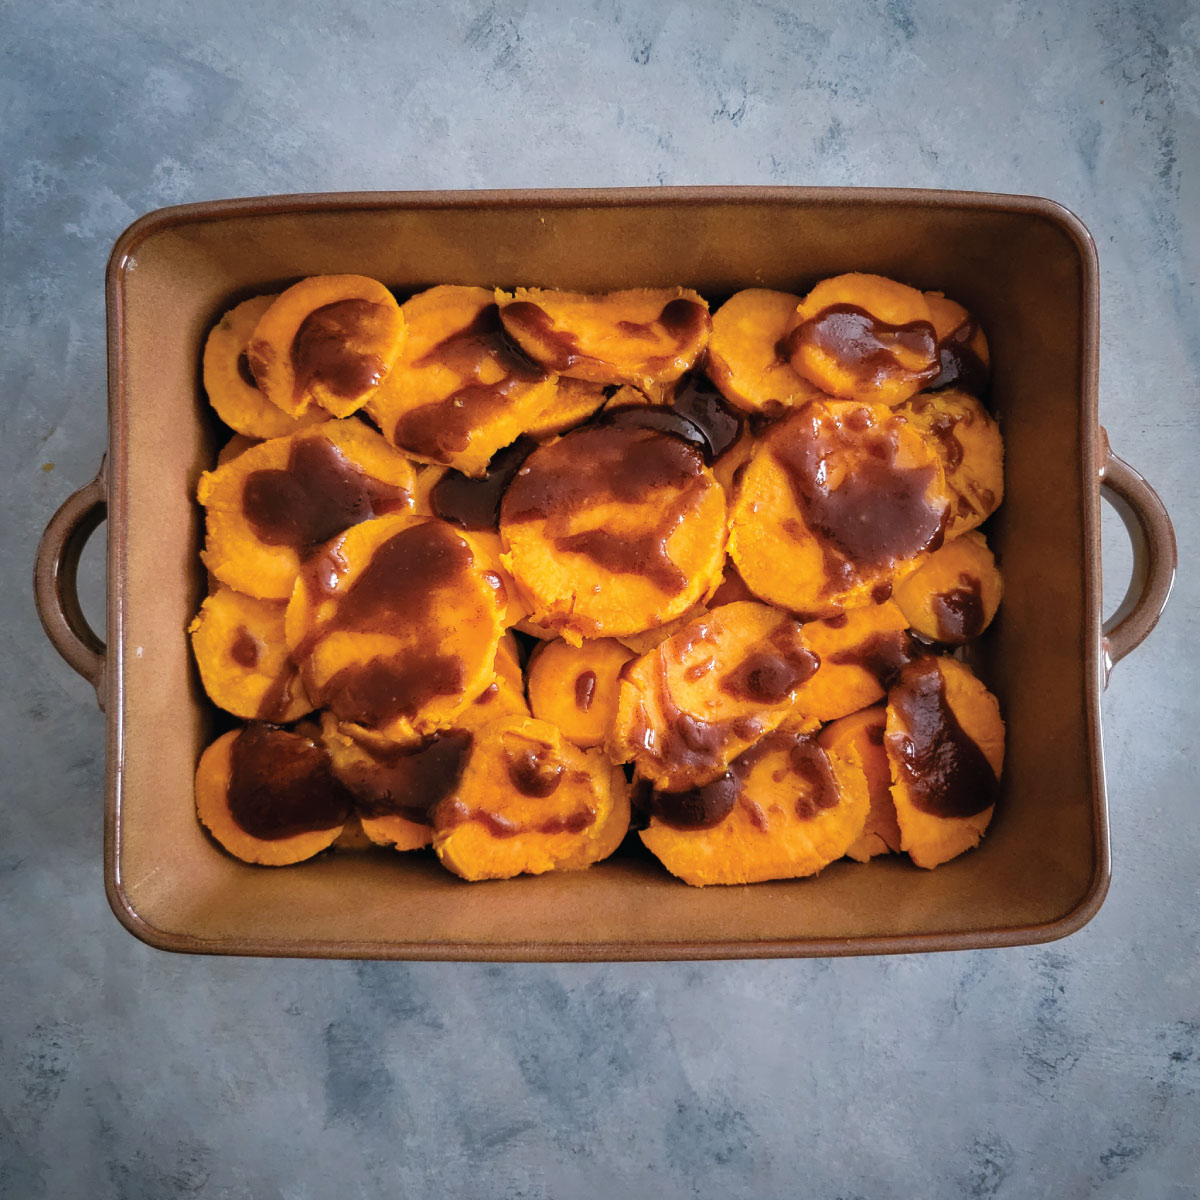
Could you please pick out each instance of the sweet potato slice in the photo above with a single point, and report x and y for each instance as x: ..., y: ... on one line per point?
x: 954, y: 596
x: 645, y: 337
x: 969, y: 444
x: 696, y: 701
x: 575, y: 687
x: 277, y: 503
x: 786, y: 808
x: 945, y: 742
x: 747, y: 357
x: 243, y: 658
x: 610, y: 531
x: 235, y: 448
x: 529, y: 801
x: 864, y: 337
x: 963, y: 356
x: 396, y: 625
x: 458, y: 391
x: 329, y: 340
x: 269, y: 796
x: 839, y: 501
x: 859, y: 738
x: 230, y: 386
x: 645, y: 641
x: 572, y: 402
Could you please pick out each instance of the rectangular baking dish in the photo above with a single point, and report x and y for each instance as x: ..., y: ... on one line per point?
x: 1025, y: 266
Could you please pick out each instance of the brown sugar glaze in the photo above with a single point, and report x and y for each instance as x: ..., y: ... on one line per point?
x: 245, y: 649
x: 958, y: 364
x: 475, y: 503
x: 407, y: 781
x: 946, y: 772
x: 959, y: 612
x: 281, y: 784
x: 319, y: 494
x: 321, y: 353
x: 585, y: 690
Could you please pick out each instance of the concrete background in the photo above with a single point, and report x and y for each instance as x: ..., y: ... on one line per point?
x: 1064, y: 1071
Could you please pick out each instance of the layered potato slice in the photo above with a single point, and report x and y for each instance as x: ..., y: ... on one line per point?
x: 611, y: 531
x: 839, y: 501
x: 968, y: 442
x: 243, y: 658
x: 696, y: 701
x: 396, y: 625
x: 786, y: 808
x: 459, y: 392
x: 269, y: 795
x: 275, y: 504
x: 329, y: 341
x: 747, y: 355
x: 576, y: 687
x: 230, y: 385
x: 864, y: 337
x: 646, y: 337
x: 953, y: 597
x: 945, y: 742
x: 859, y: 738
x: 529, y: 801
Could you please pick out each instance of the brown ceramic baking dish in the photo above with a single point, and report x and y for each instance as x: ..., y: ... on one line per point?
x: 1025, y: 266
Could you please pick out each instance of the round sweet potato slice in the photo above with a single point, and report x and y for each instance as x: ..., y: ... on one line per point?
x: 859, y: 738
x: 529, y: 801
x: 786, y: 808
x: 277, y: 503
x: 572, y: 402
x: 396, y: 625
x: 458, y: 391
x: 839, y: 501
x: 644, y: 337
x: 329, y: 341
x: 945, y: 742
x: 269, y: 796
x: 235, y: 448
x: 969, y: 444
x: 747, y: 358
x: 953, y: 597
x: 230, y: 385
x: 963, y: 356
x: 864, y: 337
x: 699, y: 699
x: 575, y: 687
x: 611, y: 531
x: 243, y: 658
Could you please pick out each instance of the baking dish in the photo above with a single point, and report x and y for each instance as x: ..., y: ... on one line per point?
x: 1025, y: 266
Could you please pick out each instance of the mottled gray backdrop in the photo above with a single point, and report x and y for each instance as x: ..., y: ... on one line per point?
x: 1064, y: 1071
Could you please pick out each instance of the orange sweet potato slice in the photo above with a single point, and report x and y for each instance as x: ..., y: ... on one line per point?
x: 329, y: 340
x: 859, y: 738
x: 243, y: 658
x: 575, y: 687
x: 954, y: 596
x: 645, y: 337
x: 458, y: 391
x: 235, y: 448
x: 963, y: 355
x: 839, y: 501
x: 699, y: 699
x: 610, y: 531
x: 396, y: 625
x: 230, y: 386
x: 529, y: 801
x: 969, y: 444
x: 945, y: 742
x: 864, y: 337
x: 747, y: 358
x: 277, y: 503
x: 785, y: 809
x: 645, y: 641
x: 269, y: 796
x: 572, y: 402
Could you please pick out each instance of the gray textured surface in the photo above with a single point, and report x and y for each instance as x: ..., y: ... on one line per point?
x: 1064, y: 1071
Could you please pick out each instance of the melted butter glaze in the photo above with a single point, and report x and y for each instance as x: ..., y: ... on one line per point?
x: 281, y: 784
x: 475, y: 503
x: 319, y: 494
x: 407, y: 781
x: 945, y: 771
x: 322, y: 353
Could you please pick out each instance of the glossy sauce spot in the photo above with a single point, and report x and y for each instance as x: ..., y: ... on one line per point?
x: 865, y: 346
x: 585, y: 690
x: 245, y: 649
x: 322, y: 352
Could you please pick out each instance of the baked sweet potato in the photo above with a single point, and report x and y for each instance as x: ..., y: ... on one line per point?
x: 329, y: 340
x: 786, y: 808
x: 277, y: 503
x: 575, y: 687
x: 945, y: 743
x: 529, y: 801
x: 953, y: 597
x: 839, y: 502
x: 859, y: 738
x: 571, y: 403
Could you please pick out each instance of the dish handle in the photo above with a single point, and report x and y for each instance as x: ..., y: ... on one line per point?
x: 1154, y: 557
x: 54, y: 579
